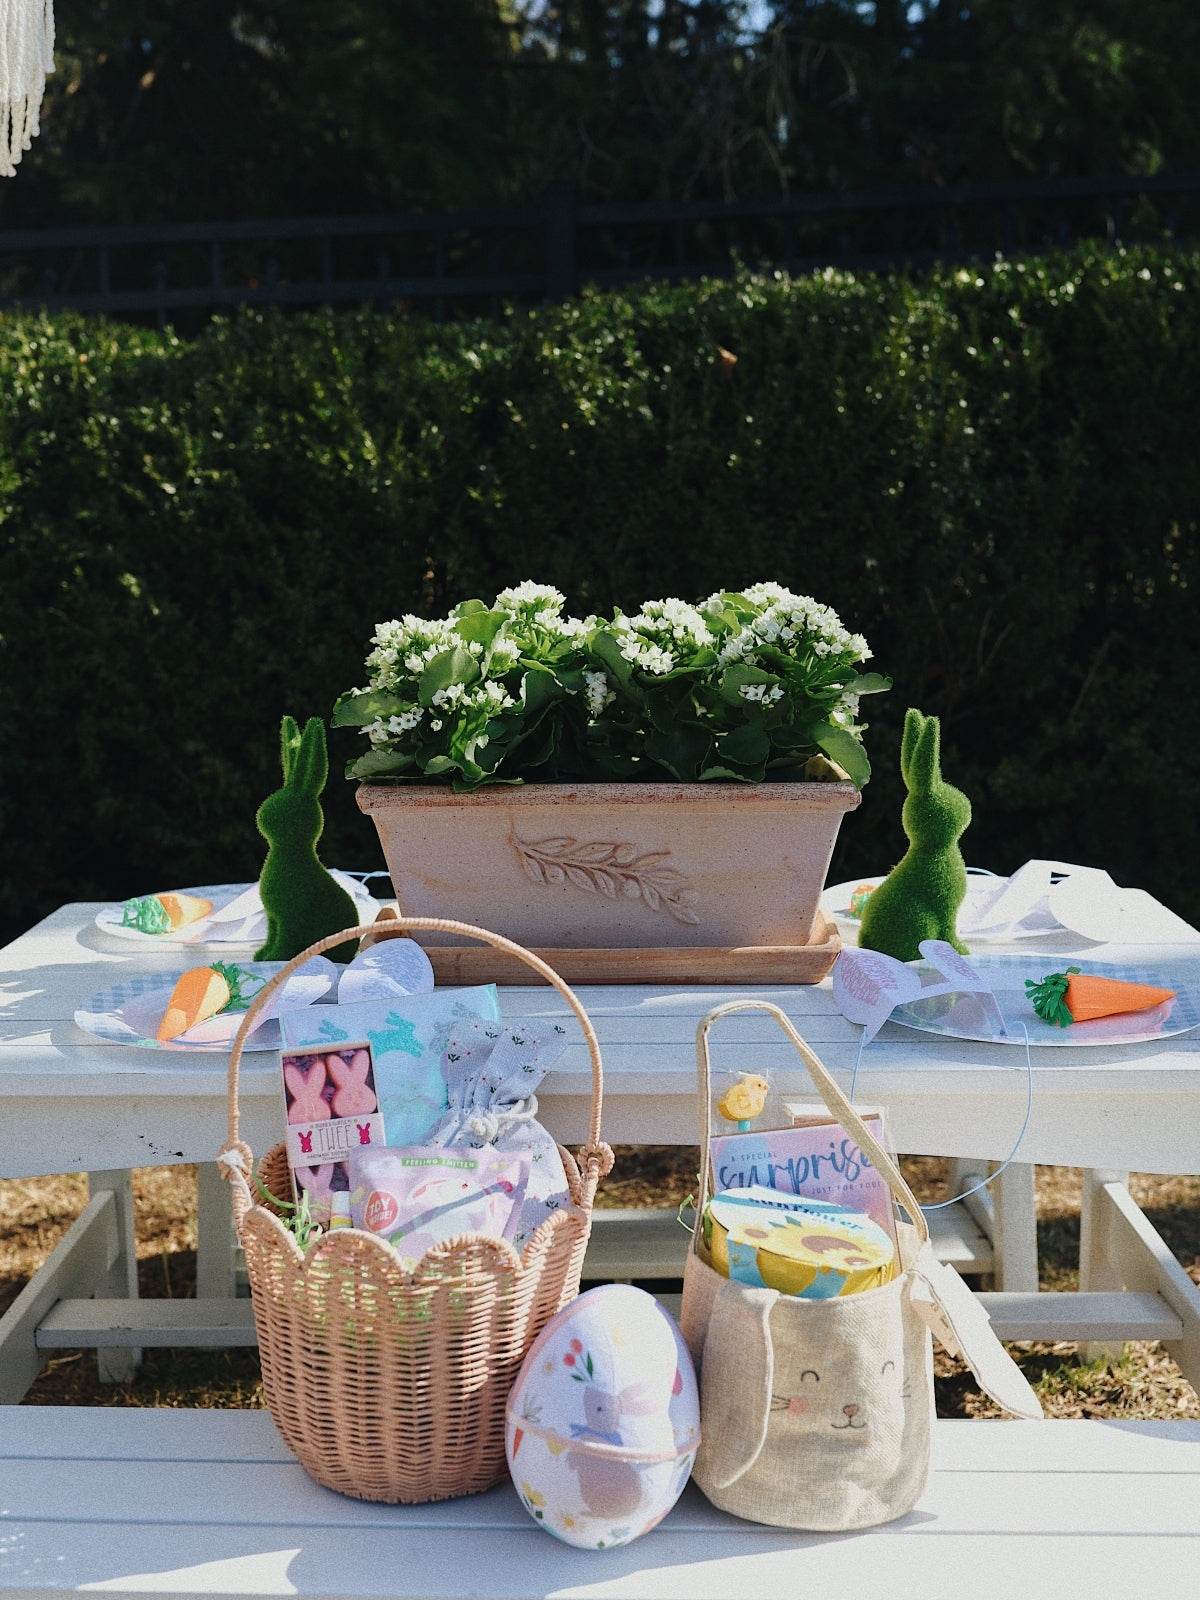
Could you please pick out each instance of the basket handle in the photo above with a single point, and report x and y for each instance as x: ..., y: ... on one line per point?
x: 597, y: 1156
x: 834, y: 1099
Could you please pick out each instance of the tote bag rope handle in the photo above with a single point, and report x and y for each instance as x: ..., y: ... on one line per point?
x: 833, y: 1097
x: 597, y: 1156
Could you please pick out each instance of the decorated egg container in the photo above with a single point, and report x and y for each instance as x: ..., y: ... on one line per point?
x: 604, y: 1419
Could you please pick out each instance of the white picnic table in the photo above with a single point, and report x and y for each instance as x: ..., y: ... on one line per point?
x: 70, y: 1102
x: 190, y: 1503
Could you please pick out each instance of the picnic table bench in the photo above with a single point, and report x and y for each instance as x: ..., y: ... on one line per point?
x: 189, y: 1503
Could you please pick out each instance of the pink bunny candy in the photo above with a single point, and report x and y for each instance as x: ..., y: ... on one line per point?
x: 317, y: 1182
x: 305, y: 1089
x: 351, y: 1097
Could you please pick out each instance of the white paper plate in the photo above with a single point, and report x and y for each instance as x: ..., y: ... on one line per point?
x: 961, y: 1017
x: 248, y: 926
x: 130, y: 1012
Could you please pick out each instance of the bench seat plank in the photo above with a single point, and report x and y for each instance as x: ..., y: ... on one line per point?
x: 184, y: 1503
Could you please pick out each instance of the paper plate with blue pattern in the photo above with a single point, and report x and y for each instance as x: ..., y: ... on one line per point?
x: 960, y: 1016
x: 130, y: 1012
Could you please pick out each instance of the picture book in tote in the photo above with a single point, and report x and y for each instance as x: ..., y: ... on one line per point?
x: 815, y: 1158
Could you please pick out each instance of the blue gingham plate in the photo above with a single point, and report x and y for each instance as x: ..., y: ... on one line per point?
x: 237, y: 916
x: 962, y: 1017
x: 130, y: 1012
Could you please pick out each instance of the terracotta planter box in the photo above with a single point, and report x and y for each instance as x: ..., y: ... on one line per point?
x: 617, y: 867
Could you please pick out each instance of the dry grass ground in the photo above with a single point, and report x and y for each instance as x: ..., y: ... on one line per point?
x: 35, y: 1213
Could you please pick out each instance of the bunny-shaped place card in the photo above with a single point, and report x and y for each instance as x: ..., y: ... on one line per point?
x: 869, y: 986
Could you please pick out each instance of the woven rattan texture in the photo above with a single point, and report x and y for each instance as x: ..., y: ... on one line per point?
x: 391, y: 1385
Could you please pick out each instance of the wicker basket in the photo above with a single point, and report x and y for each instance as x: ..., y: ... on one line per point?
x: 391, y: 1385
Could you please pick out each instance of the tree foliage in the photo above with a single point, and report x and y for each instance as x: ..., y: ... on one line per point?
x: 216, y: 108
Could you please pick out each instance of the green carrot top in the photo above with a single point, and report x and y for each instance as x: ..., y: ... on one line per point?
x: 1048, y: 997
x: 235, y: 977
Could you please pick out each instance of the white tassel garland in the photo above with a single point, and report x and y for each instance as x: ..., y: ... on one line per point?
x: 26, y: 56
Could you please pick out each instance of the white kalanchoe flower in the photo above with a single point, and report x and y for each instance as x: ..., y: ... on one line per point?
x: 651, y: 657
x: 529, y: 596
x: 797, y: 621
x: 448, y: 695
x: 411, y: 640
x: 663, y: 635
x: 767, y: 594
x: 573, y: 627
x: 597, y: 692
x: 504, y: 657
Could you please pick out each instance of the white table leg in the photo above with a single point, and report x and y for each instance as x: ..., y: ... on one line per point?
x: 1015, y: 1236
x: 1097, y: 1271
x: 1120, y: 1250
x: 120, y: 1282
x: 1142, y: 1262
x: 86, y: 1252
x: 1006, y: 1212
x: 216, y: 1243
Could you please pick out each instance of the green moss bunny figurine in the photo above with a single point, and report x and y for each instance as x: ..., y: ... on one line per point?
x: 920, y: 898
x: 302, y: 902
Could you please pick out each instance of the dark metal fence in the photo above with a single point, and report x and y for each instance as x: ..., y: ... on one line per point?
x: 470, y: 262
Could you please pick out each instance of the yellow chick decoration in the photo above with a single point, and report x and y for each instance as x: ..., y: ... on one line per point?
x: 744, y: 1100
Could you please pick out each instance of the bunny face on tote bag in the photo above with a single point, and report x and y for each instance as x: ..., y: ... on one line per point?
x: 818, y: 1413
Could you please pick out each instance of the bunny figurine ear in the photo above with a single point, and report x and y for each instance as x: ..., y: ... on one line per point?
x: 289, y: 745
x: 914, y: 721
x: 310, y: 768
x: 925, y: 758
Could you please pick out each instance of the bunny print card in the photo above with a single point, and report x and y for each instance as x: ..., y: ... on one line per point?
x: 367, y: 1074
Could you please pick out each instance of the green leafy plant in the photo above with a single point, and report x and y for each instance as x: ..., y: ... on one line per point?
x: 742, y: 687
x: 477, y: 696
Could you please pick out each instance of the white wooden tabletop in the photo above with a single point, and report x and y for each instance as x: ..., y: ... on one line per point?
x: 72, y: 1102
x: 184, y: 1503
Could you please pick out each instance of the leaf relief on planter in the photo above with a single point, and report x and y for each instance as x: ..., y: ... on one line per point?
x: 743, y: 687
x: 616, y: 871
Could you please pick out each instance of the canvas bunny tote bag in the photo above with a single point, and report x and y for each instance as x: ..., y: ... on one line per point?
x: 818, y: 1414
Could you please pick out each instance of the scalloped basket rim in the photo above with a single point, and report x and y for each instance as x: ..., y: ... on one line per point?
x: 330, y: 1243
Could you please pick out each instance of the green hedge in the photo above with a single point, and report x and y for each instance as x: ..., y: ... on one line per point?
x: 991, y: 473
